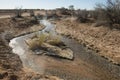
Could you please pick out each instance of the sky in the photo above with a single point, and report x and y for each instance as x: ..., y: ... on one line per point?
x: 48, y: 4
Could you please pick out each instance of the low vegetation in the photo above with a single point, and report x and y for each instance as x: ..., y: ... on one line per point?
x: 109, y: 12
x: 38, y: 39
x: 18, y: 13
x: 54, y: 39
x: 32, y: 13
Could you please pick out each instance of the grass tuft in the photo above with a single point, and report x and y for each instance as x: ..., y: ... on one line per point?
x: 39, y: 39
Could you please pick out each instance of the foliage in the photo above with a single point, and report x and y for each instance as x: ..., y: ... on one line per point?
x: 18, y: 12
x: 109, y: 12
x: 71, y: 7
x: 64, y: 11
x: 54, y: 39
x: 38, y: 39
x: 32, y: 13
x: 82, y: 16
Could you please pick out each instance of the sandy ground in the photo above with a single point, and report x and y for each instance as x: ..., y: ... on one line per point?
x: 104, y: 41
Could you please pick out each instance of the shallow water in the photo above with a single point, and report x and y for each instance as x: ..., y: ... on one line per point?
x: 87, y: 65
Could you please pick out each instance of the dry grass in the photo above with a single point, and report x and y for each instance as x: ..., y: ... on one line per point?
x: 54, y: 39
x: 38, y: 39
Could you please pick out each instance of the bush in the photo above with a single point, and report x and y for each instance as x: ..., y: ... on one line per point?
x: 64, y: 11
x: 39, y: 16
x: 32, y: 13
x: 82, y: 19
x: 83, y: 16
x: 109, y: 12
x: 37, y: 41
x: 54, y: 39
x: 18, y: 13
x: 34, y: 20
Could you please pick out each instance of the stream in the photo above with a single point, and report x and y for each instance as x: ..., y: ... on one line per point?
x: 87, y: 65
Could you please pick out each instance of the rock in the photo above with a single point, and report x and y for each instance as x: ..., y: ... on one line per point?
x: 39, y: 52
x: 50, y: 47
x: 54, y: 78
x: 56, y: 51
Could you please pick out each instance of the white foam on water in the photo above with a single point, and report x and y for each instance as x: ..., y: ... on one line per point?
x: 49, y: 27
x: 16, y: 48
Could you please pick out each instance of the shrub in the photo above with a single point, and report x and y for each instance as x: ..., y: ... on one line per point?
x: 39, y: 16
x: 64, y: 11
x: 71, y: 8
x: 83, y: 16
x: 18, y: 13
x: 109, y: 12
x: 54, y: 39
x: 82, y: 19
x: 32, y: 13
x: 38, y: 39
x: 34, y: 20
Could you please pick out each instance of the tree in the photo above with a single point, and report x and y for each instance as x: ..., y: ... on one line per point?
x: 110, y: 11
x: 64, y: 11
x: 71, y: 8
x: 32, y: 13
x: 18, y: 12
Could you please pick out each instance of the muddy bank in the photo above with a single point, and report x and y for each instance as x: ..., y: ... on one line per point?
x: 104, y: 41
